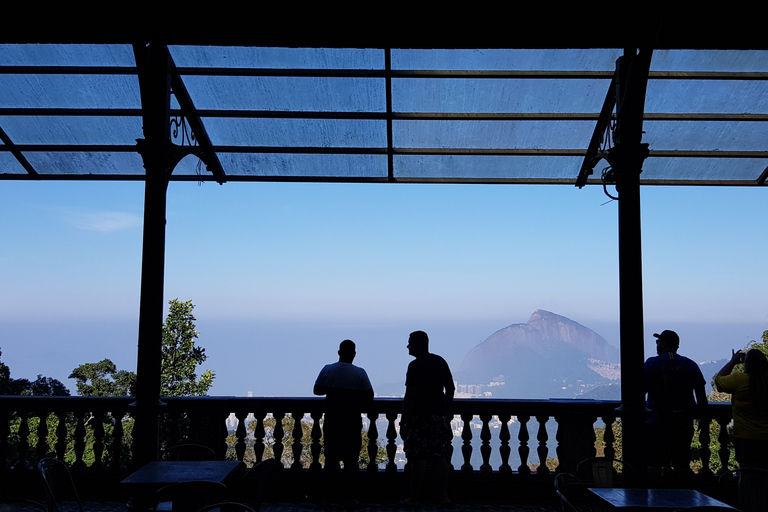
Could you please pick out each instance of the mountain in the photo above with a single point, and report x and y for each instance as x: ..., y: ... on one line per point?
x: 550, y: 356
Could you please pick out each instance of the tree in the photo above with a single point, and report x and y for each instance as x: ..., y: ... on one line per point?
x: 42, y: 386
x: 180, y: 356
x: 103, y: 379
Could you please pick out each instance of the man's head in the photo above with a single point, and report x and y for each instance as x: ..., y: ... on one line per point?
x: 347, y: 351
x: 418, y: 343
x: 666, y: 342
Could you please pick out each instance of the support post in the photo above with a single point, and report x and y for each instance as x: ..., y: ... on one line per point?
x: 153, y: 63
x: 627, y: 158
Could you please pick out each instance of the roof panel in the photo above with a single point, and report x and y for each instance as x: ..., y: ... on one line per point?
x: 120, y: 55
x: 703, y: 170
x: 533, y: 134
x: 313, y: 94
x: 742, y: 61
x: 342, y: 133
x: 293, y: 166
x: 506, y: 59
x: 85, y: 163
x: 486, y: 167
x: 707, y: 96
x: 72, y: 129
x: 9, y: 164
x: 494, y: 95
x: 706, y: 135
x: 238, y: 57
x: 69, y: 91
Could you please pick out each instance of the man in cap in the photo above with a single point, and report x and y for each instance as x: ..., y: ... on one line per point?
x: 347, y: 391
x: 425, y: 422
x: 675, y: 388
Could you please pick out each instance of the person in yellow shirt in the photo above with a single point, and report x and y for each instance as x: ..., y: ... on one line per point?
x: 749, y: 399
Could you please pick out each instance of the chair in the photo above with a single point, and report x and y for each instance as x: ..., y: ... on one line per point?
x: 227, y: 506
x: 601, y: 471
x: 189, y: 496
x: 250, y: 488
x: 573, y: 494
x: 189, y: 451
x: 752, y: 486
x: 53, y: 471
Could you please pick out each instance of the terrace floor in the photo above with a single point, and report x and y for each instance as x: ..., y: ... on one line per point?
x: 459, y: 506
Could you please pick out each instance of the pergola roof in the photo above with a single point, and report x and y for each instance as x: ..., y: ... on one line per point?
x: 73, y: 111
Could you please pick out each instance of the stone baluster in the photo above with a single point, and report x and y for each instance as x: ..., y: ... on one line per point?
x: 724, y: 453
x: 706, y: 454
x: 79, y: 441
x: 297, y: 447
x: 61, y: 435
x: 466, y: 446
x: 117, y: 439
x: 391, y: 441
x: 277, y: 438
x: 42, y: 436
x: 240, y: 434
x: 258, y: 435
x: 523, y: 450
x: 485, y: 447
x: 449, y: 448
x: 373, y: 442
x: 504, y: 437
x: 542, y: 450
x: 316, y: 435
x: 21, y: 461
x: 98, y: 440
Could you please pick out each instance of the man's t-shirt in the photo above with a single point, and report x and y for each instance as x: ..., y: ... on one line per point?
x: 670, y: 381
x: 348, y: 386
x: 425, y: 379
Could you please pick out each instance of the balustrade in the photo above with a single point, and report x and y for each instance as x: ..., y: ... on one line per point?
x: 94, y: 434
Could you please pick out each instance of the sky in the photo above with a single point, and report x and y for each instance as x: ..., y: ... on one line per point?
x: 280, y: 273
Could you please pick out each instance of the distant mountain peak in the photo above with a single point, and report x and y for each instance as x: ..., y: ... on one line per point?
x: 548, y: 347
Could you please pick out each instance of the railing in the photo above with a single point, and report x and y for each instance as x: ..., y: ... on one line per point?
x: 501, y: 437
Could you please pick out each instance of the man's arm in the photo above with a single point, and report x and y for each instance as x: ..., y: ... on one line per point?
x: 319, y: 389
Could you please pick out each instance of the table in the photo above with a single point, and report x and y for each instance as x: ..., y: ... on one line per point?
x: 664, y: 499
x: 143, y: 483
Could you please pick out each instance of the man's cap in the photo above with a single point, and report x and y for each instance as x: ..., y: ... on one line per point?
x: 668, y: 336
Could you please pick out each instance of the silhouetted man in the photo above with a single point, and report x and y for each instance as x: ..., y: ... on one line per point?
x: 425, y: 423
x: 675, y: 387
x: 347, y: 391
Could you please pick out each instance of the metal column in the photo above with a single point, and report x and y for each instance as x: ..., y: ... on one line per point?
x: 153, y: 63
x: 627, y: 158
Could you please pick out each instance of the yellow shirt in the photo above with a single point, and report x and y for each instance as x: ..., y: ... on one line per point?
x: 746, y: 423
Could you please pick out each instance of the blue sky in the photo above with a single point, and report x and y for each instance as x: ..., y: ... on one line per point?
x: 280, y: 273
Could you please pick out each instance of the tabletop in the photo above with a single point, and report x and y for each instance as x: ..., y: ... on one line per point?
x: 170, y: 472
x: 671, y: 499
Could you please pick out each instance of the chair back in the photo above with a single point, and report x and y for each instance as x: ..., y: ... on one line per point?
x: 601, y: 471
x: 227, y: 506
x: 189, y: 451
x: 58, y: 483
x: 752, y: 487
x: 254, y: 482
x: 573, y: 494
x: 189, y: 496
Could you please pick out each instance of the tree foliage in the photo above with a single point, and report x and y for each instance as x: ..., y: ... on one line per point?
x: 42, y: 386
x: 103, y: 379
x: 180, y: 356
